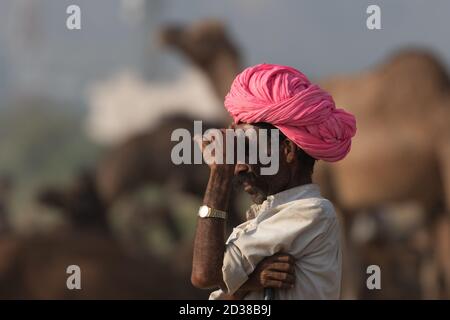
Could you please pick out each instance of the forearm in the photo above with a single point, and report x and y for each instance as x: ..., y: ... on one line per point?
x: 209, y: 244
x: 238, y: 295
x: 250, y: 285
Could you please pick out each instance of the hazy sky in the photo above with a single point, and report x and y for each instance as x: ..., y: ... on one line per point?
x: 39, y: 55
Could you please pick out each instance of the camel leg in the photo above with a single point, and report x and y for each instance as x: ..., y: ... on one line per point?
x: 350, y: 273
x: 428, y: 266
x: 442, y: 247
x: 443, y: 228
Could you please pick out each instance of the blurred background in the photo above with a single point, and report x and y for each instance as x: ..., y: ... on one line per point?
x: 86, y: 117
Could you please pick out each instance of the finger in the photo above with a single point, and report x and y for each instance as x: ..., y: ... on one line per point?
x: 227, y: 133
x: 285, y: 257
x: 281, y: 276
x: 198, y: 139
x: 201, y: 141
x: 206, y: 143
x: 278, y: 255
x: 282, y: 267
x: 277, y: 284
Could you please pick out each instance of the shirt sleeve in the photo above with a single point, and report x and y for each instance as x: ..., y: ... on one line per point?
x: 246, y: 248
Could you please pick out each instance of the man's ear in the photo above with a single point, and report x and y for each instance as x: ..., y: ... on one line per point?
x: 290, y: 150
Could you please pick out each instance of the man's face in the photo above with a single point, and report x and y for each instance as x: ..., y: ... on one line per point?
x: 249, y: 175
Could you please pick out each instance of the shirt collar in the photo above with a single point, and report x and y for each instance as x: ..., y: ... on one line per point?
x: 305, y: 191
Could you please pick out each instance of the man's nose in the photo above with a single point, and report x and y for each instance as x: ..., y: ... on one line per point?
x: 241, y: 168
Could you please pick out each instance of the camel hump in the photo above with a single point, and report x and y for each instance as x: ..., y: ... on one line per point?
x: 417, y: 65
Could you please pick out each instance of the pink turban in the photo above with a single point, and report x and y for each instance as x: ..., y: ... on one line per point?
x: 285, y: 98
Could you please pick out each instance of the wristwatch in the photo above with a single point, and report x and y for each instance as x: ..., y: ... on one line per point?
x: 207, y: 212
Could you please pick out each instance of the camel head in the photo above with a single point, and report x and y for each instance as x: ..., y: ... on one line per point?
x: 208, y: 46
x: 79, y: 202
x: 201, y: 42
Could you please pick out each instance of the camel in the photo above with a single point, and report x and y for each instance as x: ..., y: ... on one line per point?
x: 398, y: 107
x: 145, y: 157
x: 126, y: 105
x: 400, y: 152
x: 34, y: 266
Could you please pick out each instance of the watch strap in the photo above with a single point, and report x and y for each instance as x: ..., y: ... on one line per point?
x: 214, y: 213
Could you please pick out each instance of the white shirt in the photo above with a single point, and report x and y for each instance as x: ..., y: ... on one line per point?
x: 298, y: 221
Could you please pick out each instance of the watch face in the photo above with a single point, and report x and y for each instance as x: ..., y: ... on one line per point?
x: 203, y: 211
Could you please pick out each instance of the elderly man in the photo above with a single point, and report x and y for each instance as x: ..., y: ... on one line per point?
x: 290, y: 241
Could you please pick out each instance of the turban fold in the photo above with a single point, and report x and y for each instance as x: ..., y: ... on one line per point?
x: 303, y: 112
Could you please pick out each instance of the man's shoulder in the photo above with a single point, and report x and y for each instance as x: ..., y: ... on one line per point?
x: 312, y: 208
